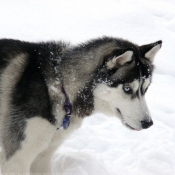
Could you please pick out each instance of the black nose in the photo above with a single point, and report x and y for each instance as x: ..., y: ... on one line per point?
x: 146, y: 124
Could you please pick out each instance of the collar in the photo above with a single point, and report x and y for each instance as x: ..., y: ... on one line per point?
x: 68, y: 110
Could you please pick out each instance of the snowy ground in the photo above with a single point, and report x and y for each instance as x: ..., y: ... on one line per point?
x: 103, y: 146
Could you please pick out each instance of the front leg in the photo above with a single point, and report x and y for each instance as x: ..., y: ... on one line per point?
x: 42, y: 163
x: 38, y: 134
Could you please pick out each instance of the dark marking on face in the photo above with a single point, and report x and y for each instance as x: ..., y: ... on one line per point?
x: 140, y: 69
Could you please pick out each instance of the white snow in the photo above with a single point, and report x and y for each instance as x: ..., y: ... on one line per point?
x: 103, y: 146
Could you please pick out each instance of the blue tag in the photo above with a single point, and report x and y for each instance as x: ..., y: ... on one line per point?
x: 66, y: 122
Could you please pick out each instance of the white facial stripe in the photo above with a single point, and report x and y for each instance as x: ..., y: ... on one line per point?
x: 135, y: 85
x: 146, y: 84
x: 140, y: 85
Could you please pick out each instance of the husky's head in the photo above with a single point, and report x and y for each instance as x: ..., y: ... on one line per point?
x: 124, y: 79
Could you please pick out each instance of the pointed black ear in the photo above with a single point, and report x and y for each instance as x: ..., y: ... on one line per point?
x: 150, y: 50
x: 123, y: 56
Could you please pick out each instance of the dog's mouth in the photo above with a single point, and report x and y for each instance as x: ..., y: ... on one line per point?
x: 130, y: 126
x: 119, y: 112
x: 124, y: 122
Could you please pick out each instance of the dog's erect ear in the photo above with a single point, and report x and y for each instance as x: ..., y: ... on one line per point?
x: 150, y: 50
x: 124, y: 57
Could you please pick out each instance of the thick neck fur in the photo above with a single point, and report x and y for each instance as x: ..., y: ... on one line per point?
x: 77, y: 66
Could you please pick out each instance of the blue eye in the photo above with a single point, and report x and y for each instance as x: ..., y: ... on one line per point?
x: 127, y: 89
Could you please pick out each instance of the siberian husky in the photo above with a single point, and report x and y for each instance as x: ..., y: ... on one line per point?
x: 46, y: 89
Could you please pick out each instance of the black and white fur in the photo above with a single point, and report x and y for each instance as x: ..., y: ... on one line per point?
x: 107, y: 75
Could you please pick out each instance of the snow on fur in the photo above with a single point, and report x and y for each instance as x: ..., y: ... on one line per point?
x: 103, y: 146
